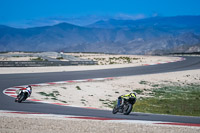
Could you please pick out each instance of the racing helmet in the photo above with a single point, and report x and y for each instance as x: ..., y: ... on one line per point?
x: 29, y: 87
x: 133, y: 94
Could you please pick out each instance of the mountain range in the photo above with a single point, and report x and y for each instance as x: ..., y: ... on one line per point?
x: 145, y: 36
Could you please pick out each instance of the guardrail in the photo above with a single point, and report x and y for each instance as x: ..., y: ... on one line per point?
x: 44, y: 63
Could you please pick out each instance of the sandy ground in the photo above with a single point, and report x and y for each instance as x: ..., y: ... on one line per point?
x: 107, y: 59
x: 140, y: 60
x: 18, y: 123
x: 101, y: 94
x: 17, y: 58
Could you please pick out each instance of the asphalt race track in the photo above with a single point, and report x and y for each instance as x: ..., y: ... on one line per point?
x: 9, y: 80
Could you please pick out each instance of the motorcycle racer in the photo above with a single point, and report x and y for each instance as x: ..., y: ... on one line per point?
x: 27, y: 89
x: 126, y: 96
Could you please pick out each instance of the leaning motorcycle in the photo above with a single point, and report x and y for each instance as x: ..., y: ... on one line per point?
x: 23, y: 95
x: 126, y: 108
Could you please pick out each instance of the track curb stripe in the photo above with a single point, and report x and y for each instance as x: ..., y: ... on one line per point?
x: 181, y: 124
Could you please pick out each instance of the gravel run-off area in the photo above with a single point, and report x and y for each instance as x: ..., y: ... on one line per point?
x: 19, y: 123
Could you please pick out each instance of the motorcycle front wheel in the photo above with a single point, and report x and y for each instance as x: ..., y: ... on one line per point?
x: 115, y: 109
x: 127, y: 109
x: 21, y: 97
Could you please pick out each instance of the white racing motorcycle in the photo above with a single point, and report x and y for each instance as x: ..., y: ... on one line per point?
x: 23, y: 94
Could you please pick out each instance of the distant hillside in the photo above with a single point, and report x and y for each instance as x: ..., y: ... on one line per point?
x: 173, y: 22
x: 146, y: 36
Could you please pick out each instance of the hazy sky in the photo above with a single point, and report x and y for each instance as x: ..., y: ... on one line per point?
x: 12, y: 11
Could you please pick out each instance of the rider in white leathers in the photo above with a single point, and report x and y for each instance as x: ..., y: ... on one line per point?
x: 27, y: 89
